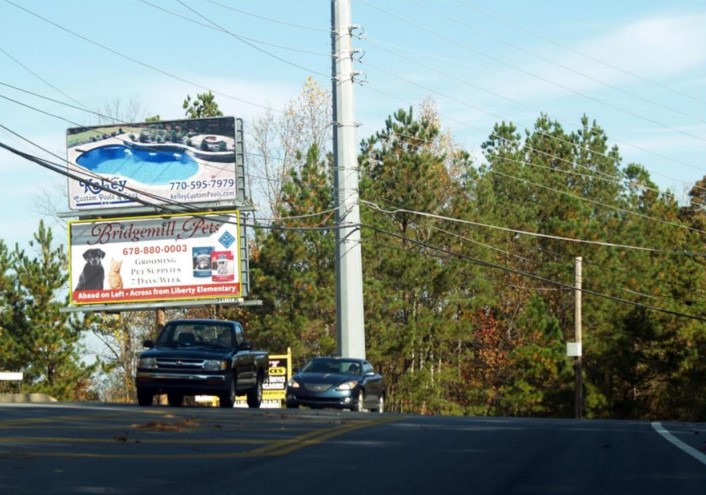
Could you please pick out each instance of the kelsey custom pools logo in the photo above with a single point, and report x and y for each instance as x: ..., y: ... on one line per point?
x: 103, y: 191
x: 96, y: 186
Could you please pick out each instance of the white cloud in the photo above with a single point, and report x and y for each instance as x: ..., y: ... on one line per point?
x: 655, y: 48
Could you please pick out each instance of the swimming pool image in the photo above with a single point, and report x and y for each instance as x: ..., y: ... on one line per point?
x: 154, y: 166
x: 120, y: 171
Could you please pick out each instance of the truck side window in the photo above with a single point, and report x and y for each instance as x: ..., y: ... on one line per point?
x: 239, y: 336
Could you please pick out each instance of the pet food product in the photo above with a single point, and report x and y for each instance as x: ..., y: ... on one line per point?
x: 202, y: 261
x: 222, y: 266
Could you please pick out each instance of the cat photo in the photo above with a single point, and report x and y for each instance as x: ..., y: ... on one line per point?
x: 115, y: 281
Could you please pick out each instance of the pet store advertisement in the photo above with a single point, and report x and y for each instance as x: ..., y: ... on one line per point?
x: 151, y: 163
x: 155, y: 258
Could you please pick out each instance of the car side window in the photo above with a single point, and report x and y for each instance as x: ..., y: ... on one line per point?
x: 367, y: 367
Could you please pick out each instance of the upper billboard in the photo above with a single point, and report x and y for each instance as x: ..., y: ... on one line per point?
x: 153, y: 163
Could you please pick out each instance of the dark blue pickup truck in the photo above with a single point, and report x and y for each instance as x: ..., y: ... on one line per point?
x: 201, y: 357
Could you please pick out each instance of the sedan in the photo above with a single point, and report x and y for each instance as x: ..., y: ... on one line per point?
x: 337, y: 382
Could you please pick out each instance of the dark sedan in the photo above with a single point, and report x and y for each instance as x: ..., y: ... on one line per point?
x: 343, y: 383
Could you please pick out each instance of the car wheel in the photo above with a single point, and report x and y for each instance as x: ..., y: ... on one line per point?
x: 144, y: 398
x: 381, y: 404
x: 255, y: 393
x: 360, y: 405
x: 228, y: 399
x: 175, y: 400
x: 292, y: 405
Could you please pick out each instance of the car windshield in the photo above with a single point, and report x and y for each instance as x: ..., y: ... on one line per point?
x: 330, y: 365
x: 192, y: 334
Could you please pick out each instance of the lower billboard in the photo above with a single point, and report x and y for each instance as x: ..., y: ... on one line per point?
x: 155, y: 258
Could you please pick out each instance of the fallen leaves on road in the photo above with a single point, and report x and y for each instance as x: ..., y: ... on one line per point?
x: 180, y: 425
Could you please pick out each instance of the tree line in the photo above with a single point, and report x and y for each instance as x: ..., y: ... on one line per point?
x: 468, y: 272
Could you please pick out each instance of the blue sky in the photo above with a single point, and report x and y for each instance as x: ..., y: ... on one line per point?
x: 638, y: 67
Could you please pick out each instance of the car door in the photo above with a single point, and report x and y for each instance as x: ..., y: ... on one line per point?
x: 373, y: 383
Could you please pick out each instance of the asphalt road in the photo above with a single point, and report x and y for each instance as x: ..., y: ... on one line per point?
x: 122, y: 449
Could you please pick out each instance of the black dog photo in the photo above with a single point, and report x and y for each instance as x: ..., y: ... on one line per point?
x: 92, y: 276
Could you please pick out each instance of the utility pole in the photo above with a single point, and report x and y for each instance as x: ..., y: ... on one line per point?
x: 578, y: 387
x: 350, y: 330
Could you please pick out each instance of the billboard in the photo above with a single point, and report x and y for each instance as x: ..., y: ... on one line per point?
x: 153, y: 163
x: 155, y: 258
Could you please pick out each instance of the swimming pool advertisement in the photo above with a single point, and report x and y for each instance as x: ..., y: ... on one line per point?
x: 155, y: 258
x: 153, y: 163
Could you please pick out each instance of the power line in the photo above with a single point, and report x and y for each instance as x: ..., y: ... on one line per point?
x: 134, y: 60
x: 41, y: 78
x: 528, y: 73
x: 562, y: 66
x: 247, y: 40
x: 58, y: 169
x: 466, y: 82
x: 495, y: 266
x: 376, y: 207
x: 269, y: 19
x: 581, y: 53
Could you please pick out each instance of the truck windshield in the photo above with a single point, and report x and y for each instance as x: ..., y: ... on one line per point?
x: 190, y: 334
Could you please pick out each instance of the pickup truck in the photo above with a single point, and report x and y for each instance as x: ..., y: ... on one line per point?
x: 201, y: 357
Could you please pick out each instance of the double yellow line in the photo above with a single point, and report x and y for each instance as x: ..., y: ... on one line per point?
x: 270, y: 448
x: 288, y: 445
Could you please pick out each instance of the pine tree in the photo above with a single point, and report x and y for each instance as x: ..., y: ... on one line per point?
x: 292, y: 270
x: 413, y: 281
x: 43, y: 342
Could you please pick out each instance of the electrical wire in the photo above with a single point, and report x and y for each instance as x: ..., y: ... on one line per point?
x: 376, y: 207
x: 545, y: 280
x: 557, y: 64
x: 134, y: 60
x: 269, y: 19
x: 41, y: 78
x: 248, y: 41
x: 58, y: 169
x: 528, y: 73
x: 581, y: 53
x: 466, y: 82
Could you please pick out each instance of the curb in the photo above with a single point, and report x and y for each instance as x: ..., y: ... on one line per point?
x: 25, y: 398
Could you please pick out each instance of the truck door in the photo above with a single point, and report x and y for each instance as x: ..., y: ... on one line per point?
x: 245, y: 359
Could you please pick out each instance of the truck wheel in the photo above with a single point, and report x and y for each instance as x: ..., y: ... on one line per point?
x: 175, y: 400
x: 228, y: 399
x: 255, y: 393
x: 144, y: 398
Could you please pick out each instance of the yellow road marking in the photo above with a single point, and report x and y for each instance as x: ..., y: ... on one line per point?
x: 270, y: 448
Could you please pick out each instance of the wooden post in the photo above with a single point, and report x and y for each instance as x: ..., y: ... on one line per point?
x: 578, y: 365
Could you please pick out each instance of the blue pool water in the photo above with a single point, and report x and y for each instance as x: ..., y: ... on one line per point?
x: 149, y: 166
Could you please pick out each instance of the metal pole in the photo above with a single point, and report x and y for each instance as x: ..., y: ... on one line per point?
x: 578, y: 388
x: 349, y: 267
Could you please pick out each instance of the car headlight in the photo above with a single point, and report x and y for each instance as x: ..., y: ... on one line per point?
x: 215, y: 365
x: 148, y: 362
x: 348, y: 385
x: 293, y: 383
